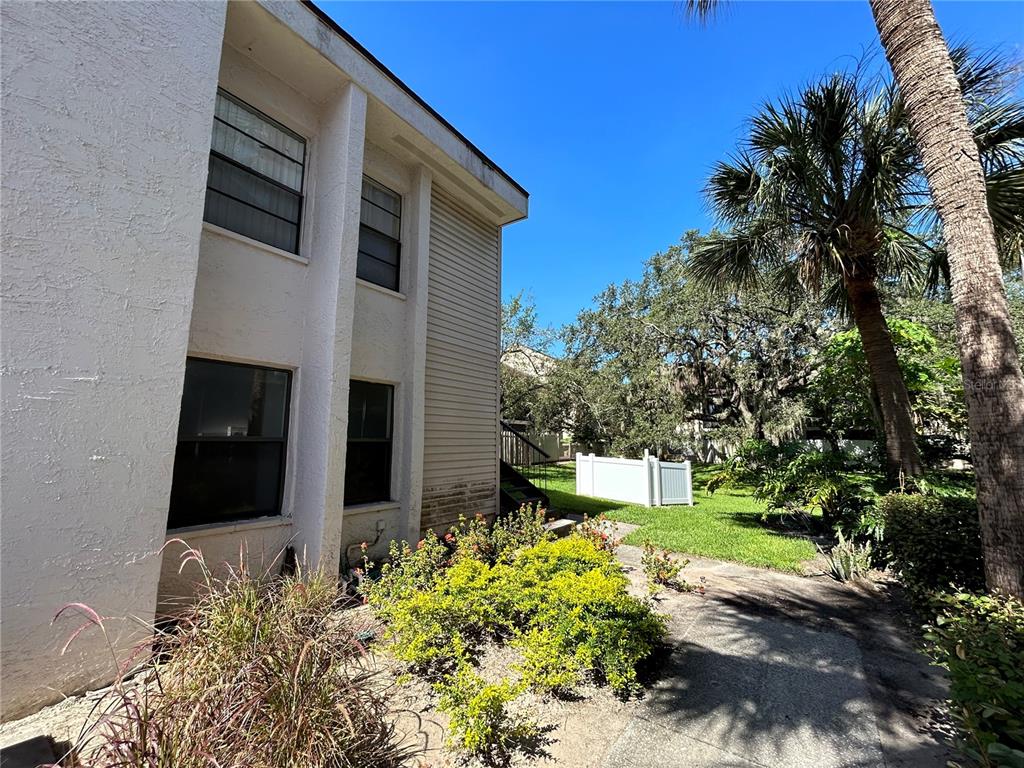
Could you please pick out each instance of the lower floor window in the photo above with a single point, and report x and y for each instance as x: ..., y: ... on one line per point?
x: 232, y: 437
x: 368, y: 458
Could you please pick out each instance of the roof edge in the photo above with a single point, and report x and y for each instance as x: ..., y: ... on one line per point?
x: 337, y: 29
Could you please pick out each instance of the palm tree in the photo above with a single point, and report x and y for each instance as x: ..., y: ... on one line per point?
x: 823, y: 193
x: 993, y: 382
x: 936, y: 111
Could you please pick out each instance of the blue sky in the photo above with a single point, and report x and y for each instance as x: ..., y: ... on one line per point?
x: 612, y: 114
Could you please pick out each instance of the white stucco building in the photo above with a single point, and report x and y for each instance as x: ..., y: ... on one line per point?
x: 250, y: 295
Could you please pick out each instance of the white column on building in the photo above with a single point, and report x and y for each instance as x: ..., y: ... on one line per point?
x: 322, y: 402
x: 418, y: 266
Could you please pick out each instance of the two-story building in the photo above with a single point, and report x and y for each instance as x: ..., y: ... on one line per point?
x: 251, y: 298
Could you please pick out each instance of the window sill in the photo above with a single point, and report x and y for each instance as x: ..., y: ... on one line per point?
x: 380, y: 289
x: 227, y: 233
x: 372, y: 506
x: 189, y: 532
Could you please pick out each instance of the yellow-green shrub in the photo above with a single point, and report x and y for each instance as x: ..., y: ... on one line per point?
x: 563, y: 604
x: 479, y: 720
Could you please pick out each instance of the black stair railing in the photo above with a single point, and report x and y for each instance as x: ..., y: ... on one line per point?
x: 525, y: 458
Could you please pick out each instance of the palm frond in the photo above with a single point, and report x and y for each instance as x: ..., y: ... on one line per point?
x: 776, y: 128
x: 785, y: 281
x: 702, y: 10
x: 734, y: 259
x: 936, y: 275
x: 904, y: 257
x: 999, y: 132
x: 733, y: 187
x: 983, y: 75
x: 834, y: 297
x: 1005, y: 190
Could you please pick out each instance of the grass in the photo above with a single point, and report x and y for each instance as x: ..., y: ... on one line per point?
x: 726, y: 526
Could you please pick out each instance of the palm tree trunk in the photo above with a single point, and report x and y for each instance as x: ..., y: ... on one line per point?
x: 993, y: 383
x: 902, y: 456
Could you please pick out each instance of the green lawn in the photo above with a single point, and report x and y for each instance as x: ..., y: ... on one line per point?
x: 726, y: 526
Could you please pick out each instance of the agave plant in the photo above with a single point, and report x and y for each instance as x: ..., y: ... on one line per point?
x: 847, y: 559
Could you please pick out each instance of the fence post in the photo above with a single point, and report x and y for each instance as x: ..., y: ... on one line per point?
x: 647, y: 477
x: 593, y: 466
x: 657, y: 481
x: 689, y: 481
x: 579, y: 474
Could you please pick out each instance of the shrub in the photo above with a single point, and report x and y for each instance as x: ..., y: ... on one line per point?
x: 479, y: 719
x: 407, y: 571
x: 662, y: 570
x: 932, y: 542
x: 794, y: 479
x: 562, y: 603
x: 980, y: 640
x: 470, y: 538
x: 260, y: 672
x: 598, y: 530
x: 518, y: 530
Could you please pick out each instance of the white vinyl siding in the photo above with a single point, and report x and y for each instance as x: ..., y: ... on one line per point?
x: 460, y: 474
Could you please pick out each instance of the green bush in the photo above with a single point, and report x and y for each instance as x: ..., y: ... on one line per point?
x: 932, y: 542
x: 980, y: 640
x: 562, y: 605
x: 794, y: 479
x: 518, y: 530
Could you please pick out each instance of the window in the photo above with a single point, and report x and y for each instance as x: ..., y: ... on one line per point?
x: 368, y: 460
x: 231, y: 443
x: 380, y: 223
x: 254, y: 185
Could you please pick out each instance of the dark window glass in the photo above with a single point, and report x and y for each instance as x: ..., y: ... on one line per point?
x: 368, y: 461
x: 254, y: 185
x: 380, y: 225
x: 232, y: 433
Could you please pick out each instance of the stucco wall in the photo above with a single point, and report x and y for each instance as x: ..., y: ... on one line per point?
x: 250, y: 305
x: 110, y: 279
x: 259, y: 545
x: 381, y: 352
x: 106, y: 125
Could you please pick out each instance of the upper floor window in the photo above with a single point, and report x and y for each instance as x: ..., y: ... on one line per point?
x: 254, y: 186
x: 232, y: 437
x: 380, y: 226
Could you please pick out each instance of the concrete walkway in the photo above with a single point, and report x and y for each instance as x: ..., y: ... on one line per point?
x: 769, y: 669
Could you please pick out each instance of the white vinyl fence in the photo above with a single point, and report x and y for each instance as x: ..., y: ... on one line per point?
x: 644, y: 481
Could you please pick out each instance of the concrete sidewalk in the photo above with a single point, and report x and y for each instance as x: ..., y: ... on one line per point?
x: 769, y: 669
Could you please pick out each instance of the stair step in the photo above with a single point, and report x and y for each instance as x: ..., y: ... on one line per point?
x: 560, y: 527
x: 531, y: 493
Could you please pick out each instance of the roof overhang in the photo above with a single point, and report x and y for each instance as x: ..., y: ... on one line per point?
x: 330, y: 57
